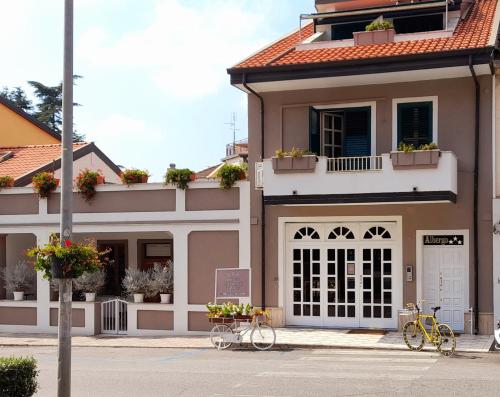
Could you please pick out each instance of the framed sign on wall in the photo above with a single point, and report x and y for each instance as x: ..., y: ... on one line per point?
x: 232, y: 283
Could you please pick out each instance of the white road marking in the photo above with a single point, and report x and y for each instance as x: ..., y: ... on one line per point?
x: 374, y: 353
x: 338, y: 375
x: 361, y: 367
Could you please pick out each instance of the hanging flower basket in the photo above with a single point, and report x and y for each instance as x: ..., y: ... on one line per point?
x: 132, y: 176
x: 6, y: 181
x: 44, y: 183
x: 86, y: 182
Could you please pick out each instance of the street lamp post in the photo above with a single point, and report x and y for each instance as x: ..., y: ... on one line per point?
x: 66, y: 231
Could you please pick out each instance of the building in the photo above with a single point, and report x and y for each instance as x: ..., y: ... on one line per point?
x: 349, y: 240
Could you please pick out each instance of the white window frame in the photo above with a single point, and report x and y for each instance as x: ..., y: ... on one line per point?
x: 435, y: 123
x: 373, y: 121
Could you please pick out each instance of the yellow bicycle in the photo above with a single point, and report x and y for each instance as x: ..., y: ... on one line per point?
x: 415, y: 334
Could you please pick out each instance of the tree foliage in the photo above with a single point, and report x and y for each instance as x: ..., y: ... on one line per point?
x: 48, y: 109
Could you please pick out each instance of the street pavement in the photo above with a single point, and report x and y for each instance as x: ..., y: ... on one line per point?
x: 134, y: 372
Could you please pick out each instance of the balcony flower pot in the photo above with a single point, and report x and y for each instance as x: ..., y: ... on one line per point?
x: 166, y: 298
x: 134, y: 175
x: 138, y: 298
x: 374, y: 37
x: 289, y: 164
x: 18, y: 295
x: 89, y: 296
x: 415, y: 159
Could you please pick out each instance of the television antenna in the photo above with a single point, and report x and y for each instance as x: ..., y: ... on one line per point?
x: 232, y: 125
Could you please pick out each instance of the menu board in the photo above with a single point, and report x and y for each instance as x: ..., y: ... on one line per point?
x: 232, y: 283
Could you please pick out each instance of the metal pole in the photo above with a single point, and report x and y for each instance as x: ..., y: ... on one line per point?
x: 65, y: 285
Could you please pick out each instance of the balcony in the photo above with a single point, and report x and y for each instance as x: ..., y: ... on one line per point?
x: 357, y: 180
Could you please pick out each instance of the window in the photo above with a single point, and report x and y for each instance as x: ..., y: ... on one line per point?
x: 415, y: 123
x: 343, y: 31
x: 420, y: 23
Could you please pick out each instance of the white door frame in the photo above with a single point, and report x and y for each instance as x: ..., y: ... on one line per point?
x: 420, y: 266
x: 397, y: 251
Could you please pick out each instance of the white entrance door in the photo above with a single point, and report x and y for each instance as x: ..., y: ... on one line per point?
x: 341, y: 275
x: 444, y: 283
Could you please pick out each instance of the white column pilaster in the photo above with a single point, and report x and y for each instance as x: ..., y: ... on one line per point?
x: 42, y: 292
x: 181, y: 280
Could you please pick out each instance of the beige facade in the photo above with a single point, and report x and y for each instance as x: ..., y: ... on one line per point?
x: 287, y: 126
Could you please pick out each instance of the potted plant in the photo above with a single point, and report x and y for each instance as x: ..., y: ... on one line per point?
x: 137, y: 283
x: 6, y: 181
x: 162, y: 280
x: 69, y: 260
x: 133, y: 175
x: 179, y: 177
x: 18, y: 279
x: 44, y: 183
x: 229, y: 174
x: 90, y: 284
x: 407, y: 156
x: 294, y: 161
x: 377, y: 32
x: 86, y: 182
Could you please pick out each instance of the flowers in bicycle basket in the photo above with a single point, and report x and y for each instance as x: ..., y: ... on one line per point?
x: 231, y: 310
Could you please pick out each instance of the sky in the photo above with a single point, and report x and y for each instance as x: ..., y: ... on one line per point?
x: 155, y: 89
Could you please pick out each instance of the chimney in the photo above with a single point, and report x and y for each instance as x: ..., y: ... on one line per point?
x: 172, y: 166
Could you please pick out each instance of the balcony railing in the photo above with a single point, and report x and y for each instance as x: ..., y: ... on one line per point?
x: 354, y: 164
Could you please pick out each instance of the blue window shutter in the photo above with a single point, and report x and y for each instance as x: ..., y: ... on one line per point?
x: 357, y: 133
x: 415, y: 123
x: 314, y: 131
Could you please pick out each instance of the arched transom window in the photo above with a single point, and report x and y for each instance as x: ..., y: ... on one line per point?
x: 377, y: 233
x: 306, y: 233
x: 341, y: 233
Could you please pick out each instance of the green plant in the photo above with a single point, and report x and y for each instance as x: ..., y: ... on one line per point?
x: 86, y: 181
x: 428, y: 146
x: 297, y: 153
x: 18, y: 376
x: 134, y: 175
x: 137, y: 282
x: 75, y: 258
x: 91, y: 282
x: 379, y: 25
x: 229, y: 174
x: 44, y: 183
x: 6, y: 181
x: 406, y: 147
x: 18, y: 277
x: 162, y: 278
x: 179, y: 177
x: 279, y: 153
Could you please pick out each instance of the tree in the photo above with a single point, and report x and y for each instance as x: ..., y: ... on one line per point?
x: 49, y: 107
x: 19, y: 97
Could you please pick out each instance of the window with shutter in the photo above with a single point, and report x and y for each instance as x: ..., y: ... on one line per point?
x: 415, y: 123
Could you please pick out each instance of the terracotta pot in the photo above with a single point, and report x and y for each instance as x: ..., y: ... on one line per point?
x: 193, y: 177
x: 289, y: 165
x: 374, y: 37
x: 100, y: 180
x: 144, y: 179
x: 415, y: 159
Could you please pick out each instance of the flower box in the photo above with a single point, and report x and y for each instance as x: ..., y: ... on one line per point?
x: 230, y: 320
x: 289, y: 165
x: 415, y: 159
x: 374, y: 37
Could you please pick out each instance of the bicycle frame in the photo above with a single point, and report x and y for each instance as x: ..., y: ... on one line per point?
x: 434, y: 331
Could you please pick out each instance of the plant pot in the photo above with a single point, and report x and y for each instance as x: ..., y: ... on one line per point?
x: 144, y: 179
x: 100, y: 180
x: 165, y: 298
x: 289, y: 165
x: 416, y: 159
x: 138, y: 298
x: 192, y: 178
x: 374, y: 37
x: 57, y: 268
x: 18, y: 295
x: 89, y: 296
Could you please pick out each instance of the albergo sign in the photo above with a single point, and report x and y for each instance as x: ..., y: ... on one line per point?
x: 452, y: 239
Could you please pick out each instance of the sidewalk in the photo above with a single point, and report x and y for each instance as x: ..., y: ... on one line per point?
x: 285, y: 338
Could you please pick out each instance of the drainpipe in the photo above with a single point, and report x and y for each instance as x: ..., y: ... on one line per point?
x: 263, y: 207
x: 476, y: 193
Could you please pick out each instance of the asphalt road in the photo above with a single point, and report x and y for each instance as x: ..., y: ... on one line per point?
x: 200, y: 372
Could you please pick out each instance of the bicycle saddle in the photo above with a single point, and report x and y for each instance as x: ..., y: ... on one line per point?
x: 435, y: 309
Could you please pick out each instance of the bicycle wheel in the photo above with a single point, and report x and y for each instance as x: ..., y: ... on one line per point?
x: 447, y: 343
x: 413, y: 336
x: 217, y: 336
x: 263, y: 336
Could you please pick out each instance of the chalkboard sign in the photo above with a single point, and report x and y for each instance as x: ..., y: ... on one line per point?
x: 232, y: 283
x: 444, y: 240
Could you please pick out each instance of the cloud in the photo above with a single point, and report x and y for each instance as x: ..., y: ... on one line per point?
x: 186, y: 48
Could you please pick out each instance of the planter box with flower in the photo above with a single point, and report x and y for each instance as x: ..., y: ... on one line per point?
x: 295, y: 161
x: 407, y: 157
x: 229, y: 174
x: 6, y: 182
x: 378, y: 32
x: 18, y: 279
x: 69, y: 260
x: 86, y: 182
x: 44, y: 183
x: 179, y: 177
x: 229, y: 312
x: 133, y: 175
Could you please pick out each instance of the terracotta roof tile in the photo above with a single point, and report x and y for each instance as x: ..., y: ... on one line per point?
x: 26, y: 159
x: 473, y: 32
